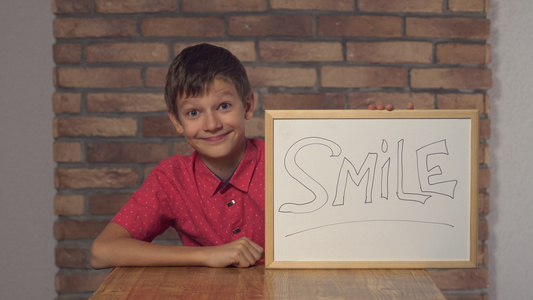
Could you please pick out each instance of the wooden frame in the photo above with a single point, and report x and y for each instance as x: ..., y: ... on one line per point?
x: 427, y: 220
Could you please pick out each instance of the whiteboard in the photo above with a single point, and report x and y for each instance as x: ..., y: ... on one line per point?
x: 371, y: 189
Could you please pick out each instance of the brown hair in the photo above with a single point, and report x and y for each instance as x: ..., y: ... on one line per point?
x: 192, y: 72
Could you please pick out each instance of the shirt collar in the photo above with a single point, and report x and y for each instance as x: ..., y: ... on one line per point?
x: 241, y: 178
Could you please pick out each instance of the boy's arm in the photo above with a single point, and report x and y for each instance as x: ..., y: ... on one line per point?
x: 116, y: 247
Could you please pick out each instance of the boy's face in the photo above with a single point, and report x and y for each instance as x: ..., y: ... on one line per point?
x: 213, y: 124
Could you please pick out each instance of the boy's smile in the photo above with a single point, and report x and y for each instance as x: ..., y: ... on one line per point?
x: 213, y: 124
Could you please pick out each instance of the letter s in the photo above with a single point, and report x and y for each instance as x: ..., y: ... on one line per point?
x: 294, y: 170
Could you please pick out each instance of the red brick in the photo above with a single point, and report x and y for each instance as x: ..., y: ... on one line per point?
x: 184, y: 27
x: 71, y: 6
x: 462, y: 101
x: 85, y: 126
x: 79, y: 282
x: 67, y: 53
x: 257, y: 106
x: 361, y: 100
x: 339, y: 5
x: 69, y: 205
x: 182, y: 148
x: 66, y: 102
x: 346, y: 77
x: 460, y: 279
x: 303, y: 101
x: 484, y: 129
x: 287, y: 51
x: 461, y: 28
x: 431, y: 6
x: 456, y: 53
x: 95, y: 178
x: 67, y: 152
x: 452, y: 78
x: 98, y: 77
x: 156, y: 77
x: 484, y: 180
x: 148, y: 170
x: 158, y: 127
x: 364, y: 26
x: 135, y: 6
x: 487, y: 104
x: 369, y: 26
x: 126, y: 52
x: 107, y: 204
x: 279, y: 25
x: 126, y: 152
x: 94, y: 27
x: 483, y: 230
x: 286, y: 77
x: 469, y: 5
x: 485, y: 154
x: 255, y: 128
x: 76, y: 229
x: 390, y: 52
x: 222, y: 6
x: 72, y: 256
x: 244, y: 51
x: 125, y: 102
x: 482, y: 254
x: 481, y: 153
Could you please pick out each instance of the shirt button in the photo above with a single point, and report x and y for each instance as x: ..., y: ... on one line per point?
x: 235, y: 231
x: 231, y: 203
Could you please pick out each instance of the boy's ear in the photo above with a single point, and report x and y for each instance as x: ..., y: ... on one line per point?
x: 249, y: 106
x: 176, y: 122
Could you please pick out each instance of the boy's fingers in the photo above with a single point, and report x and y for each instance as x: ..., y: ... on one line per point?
x: 390, y: 107
x: 248, y: 253
x: 254, y: 250
x: 258, y: 248
x: 245, y: 259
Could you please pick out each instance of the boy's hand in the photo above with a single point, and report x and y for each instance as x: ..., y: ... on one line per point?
x: 239, y: 253
x: 389, y: 107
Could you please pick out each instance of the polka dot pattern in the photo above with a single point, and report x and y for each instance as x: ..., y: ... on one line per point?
x: 181, y: 192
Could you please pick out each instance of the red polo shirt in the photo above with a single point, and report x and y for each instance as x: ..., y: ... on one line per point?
x: 183, y: 193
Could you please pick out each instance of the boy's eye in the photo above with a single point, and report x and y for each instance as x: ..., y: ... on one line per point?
x: 192, y: 113
x: 224, y: 106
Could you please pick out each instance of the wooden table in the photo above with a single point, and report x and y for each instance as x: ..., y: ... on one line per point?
x: 258, y: 283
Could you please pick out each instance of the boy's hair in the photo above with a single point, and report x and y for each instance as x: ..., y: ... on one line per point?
x: 192, y: 72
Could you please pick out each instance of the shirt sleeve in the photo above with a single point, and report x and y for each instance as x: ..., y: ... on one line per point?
x: 145, y: 215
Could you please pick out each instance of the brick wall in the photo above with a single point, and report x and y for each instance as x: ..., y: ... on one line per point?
x: 111, y: 58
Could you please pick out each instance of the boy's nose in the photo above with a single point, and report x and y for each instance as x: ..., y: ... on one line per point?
x: 212, y: 122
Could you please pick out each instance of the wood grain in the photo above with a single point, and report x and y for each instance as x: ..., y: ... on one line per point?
x: 258, y: 283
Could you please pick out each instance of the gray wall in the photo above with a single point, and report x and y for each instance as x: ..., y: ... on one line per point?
x: 26, y: 164
x: 511, y: 216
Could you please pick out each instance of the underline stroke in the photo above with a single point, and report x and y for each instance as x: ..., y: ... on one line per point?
x: 367, y: 221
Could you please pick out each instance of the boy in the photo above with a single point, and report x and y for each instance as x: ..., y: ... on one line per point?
x: 213, y: 198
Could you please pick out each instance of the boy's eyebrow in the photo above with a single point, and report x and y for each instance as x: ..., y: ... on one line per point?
x: 183, y: 101
x: 218, y: 94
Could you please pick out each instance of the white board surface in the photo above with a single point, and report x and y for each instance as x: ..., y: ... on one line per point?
x: 371, y: 189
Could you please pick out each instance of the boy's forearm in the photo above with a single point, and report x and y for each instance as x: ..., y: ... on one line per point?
x: 115, y: 247
x: 132, y: 252
x: 110, y: 250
